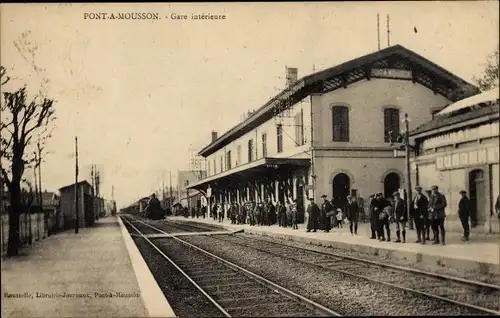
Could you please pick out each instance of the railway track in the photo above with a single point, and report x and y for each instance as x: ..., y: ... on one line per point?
x: 233, y: 290
x: 475, y: 295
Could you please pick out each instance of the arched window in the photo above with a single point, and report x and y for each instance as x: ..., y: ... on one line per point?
x: 340, y: 120
x: 391, y: 124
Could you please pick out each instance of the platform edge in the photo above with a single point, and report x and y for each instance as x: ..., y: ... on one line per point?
x: 152, y: 296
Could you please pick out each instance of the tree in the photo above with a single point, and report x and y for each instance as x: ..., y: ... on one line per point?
x: 489, y: 79
x: 21, y: 121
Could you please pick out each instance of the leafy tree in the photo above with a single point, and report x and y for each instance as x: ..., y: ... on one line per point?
x: 21, y: 121
x: 489, y: 79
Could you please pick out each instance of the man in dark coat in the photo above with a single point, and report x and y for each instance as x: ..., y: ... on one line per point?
x: 313, y: 212
x: 281, y: 213
x: 352, y: 214
x: 326, y: 210
x: 464, y: 214
x: 428, y: 221
x: 271, y: 213
x: 419, y: 211
x: 437, y: 215
x: 399, y: 216
x: 381, y: 204
x: 373, y: 218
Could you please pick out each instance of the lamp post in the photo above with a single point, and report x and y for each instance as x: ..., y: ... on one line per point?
x: 405, y: 138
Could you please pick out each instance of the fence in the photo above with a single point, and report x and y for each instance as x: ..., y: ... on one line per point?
x: 33, y: 227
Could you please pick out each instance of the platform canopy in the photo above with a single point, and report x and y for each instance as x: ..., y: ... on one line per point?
x: 256, y: 170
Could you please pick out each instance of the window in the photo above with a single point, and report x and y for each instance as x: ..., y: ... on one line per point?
x: 299, y: 128
x: 279, y: 136
x: 221, y: 163
x: 208, y: 168
x: 340, y: 119
x: 228, y: 160
x: 250, y: 150
x: 391, y: 124
x: 238, y: 155
x: 215, y: 168
x: 264, y: 144
x: 186, y: 183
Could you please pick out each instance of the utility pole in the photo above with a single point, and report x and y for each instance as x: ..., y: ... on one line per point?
x: 93, y: 190
x: 40, y: 185
x: 98, y: 191
x: 30, y: 237
x: 378, y: 30
x: 408, y: 172
x: 171, y: 196
x: 76, y: 186
x: 388, y: 33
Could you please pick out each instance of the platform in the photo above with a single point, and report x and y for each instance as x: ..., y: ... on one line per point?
x: 481, y: 254
x: 95, y: 273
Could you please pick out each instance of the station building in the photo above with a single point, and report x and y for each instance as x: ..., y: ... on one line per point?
x: 459, y: 150
x: 329, y: 132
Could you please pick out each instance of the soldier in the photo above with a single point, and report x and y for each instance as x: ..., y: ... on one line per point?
x: 464, y: 214
x: 352, y: 214
x: 437, y: 215
x: 380, y: 208
x: 326, y: 211
x: 400, y: 217
x: 428, y: 221
x: 313, y: 212
x: 419, y: 211
x: 373, y: 218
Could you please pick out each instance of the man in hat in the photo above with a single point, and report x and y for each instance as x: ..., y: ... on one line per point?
x: 352, y: 214
x: 313, y: 212
x: 437, y: 205
x: 399, y: 216
x: 464, y: 208
x: 428, y: 221
x: 373, y: 217
x: 326, y: 209
x: 419, y: 212
x: 381, y: 209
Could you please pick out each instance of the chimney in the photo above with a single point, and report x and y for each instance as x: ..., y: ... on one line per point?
x: 291, y: 76
x: 214, y: 136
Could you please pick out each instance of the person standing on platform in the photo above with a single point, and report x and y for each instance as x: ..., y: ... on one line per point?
x: 294, y: 215
x: 419, y: 211
x: 326, y: 212
x: 399, y: 216
x: 271, y: 213
x: 436, y: 214
x: 281, y: 213
x: 382, y: 207
x: 313, y: 214
x: 220, y: 213
x: 373, y: 217
x: 288, y: 212
x: 464, y: 208
x: 428, y: 221
x: 352, y: 214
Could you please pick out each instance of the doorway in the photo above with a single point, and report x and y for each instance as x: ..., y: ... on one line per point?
x: 392, y: 183
x: 477, y: 195
x: 341, y: 188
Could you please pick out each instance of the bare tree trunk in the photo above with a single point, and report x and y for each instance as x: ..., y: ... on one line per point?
x: 14, y: 212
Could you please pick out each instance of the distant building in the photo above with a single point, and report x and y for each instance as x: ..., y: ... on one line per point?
x: 190, y: 198
x: 86, y: 214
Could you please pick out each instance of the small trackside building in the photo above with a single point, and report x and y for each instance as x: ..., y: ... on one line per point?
x: 459, y: 150
x: 330, y: 132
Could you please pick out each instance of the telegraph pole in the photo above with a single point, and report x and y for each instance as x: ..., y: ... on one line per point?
x: 408, y: 172
x: 76, y: 186
x: 40, y: 184
x: 171, y: 196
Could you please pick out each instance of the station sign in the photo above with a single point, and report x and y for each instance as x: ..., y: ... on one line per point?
x: 466, y: 159
x: 391, y: 73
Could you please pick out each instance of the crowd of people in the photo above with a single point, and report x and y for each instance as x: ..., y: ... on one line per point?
x: 427, y: 211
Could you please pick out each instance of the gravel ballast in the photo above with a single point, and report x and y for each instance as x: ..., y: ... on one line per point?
x: 344, y: 294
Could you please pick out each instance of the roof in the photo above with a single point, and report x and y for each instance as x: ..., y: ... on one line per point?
x: 423, y: 71
x: 463, y: 116
x: 81, y: 183
x: 484, y: 97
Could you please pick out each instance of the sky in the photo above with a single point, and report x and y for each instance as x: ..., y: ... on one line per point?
x: 139, y: 94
